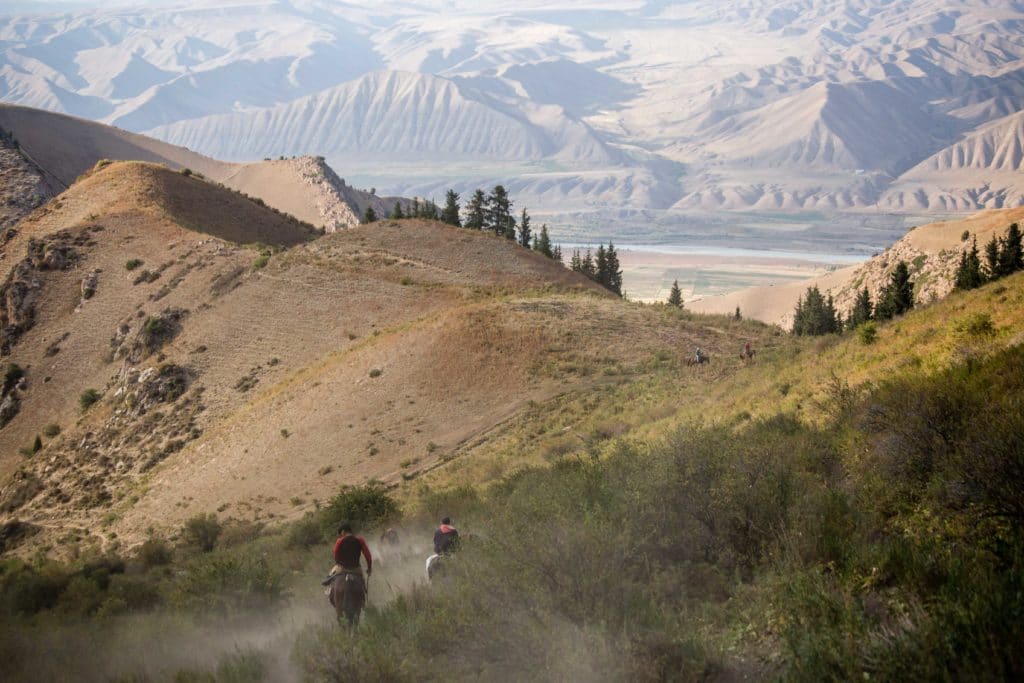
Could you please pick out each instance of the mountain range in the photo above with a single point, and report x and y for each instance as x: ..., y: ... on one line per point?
x: 796, y: 105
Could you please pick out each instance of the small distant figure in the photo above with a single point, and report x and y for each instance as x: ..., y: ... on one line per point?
x: 446, y: 541
x: 446, y: 537
x: 748, y: 351
x: 699, y: 357
x: 389, y: 538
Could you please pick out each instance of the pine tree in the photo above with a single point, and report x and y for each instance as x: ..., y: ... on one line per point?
x: 968, y: 272
x: 614, y: 273
x: 476, y: 211
x: 898, y: 295
x: 588, y: 267
x: 397, y: 213
x: 992, y: 259
x: 556, y: 253
x: 862, y: 309
x: 814, y: 314
x: 450, y: 214
x: 542, y: 243
x: 1011, y: 256
x: 370, y: 216
x: 576, y: 264
x: 675, y: 295
x: 524, y: 229
x: 499, y: 211
x: 416, y: 212
x: 601, y: 266
x: 432, y: 212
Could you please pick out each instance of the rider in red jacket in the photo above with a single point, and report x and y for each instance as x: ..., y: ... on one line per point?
x: 347, y: 549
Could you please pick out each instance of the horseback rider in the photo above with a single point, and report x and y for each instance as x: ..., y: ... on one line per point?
x: 347, y: 550
x: 446, y: 537
x: 748, y: 350
x: 698, y: 356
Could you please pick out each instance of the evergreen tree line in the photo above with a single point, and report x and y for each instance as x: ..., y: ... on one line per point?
x: 602, y: 268
x: 816, y: 314
x: 1003, y: 256
x: 492, y: 212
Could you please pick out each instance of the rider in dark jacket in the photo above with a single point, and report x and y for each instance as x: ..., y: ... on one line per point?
x: 446, y: 537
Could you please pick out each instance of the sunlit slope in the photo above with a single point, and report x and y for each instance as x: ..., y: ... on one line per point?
x: 253, y: 381
x: 932, y: 251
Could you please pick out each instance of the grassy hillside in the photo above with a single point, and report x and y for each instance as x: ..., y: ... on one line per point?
x: 200, y: 375
x: 833, y: 509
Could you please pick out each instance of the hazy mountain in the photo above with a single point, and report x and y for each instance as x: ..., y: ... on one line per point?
x: 797, y: 104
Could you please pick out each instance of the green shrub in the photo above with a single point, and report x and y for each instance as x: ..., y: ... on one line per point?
x: 305, y: 533
x: 202, y: 531
x: 224, y: 584
x: 87, y: 399
x: 867, y: 333
x: 132, y: 264
x: 361, y: 505
x: 154, y: 552
x: 977, y: 325
x: 376, y: 372
x: 12, y: 374
x: 51, y: 430
x: 186, y: 172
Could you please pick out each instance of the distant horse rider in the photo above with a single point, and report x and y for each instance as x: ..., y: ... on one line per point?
x: 748, y: 350
x: 698, y: 356
x: 446, y: 541
x: 347, y: 586
x: 446, y: 537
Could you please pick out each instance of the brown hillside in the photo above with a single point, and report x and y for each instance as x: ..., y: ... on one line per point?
x: 65, y: 147
x: 932, y: 251
x: 378, y: 352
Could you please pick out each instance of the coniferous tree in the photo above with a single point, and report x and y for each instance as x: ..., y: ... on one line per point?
x: 588, y: 267
x: 992, y: 258
x: 675, y: 295
x: 397, y: 213
x: 862, y: 309
x: 736, y: 315
x: 476, y: 211
x: 968, y: 272
x: 814, y: 314
x: 897, y: 297
x: 524, y: 229
x: 576, y: 263
x: 601, y: 266
x: 499, y: 211
x: 614, y: 271
x: 556, y: 253
x: 370, y: 216
x: 416, y: 211
x: 542, y: 242
x: 1011, y: 256
x: 450, y: 214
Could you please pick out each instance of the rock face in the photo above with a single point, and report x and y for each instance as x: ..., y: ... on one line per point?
x: 23, y: 186
x: 24, y: 283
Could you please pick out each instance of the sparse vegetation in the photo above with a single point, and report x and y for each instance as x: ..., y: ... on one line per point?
x: 88, y: 398
x: 376, y: 372
x: 202, y: 531
x: 132, y: 264
x: 51, y: 430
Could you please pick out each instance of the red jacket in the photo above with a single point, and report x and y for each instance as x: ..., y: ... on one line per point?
x: 347, y: 550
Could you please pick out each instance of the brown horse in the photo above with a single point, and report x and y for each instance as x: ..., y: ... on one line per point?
x: 348, y: 595
x: 703, y: 359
